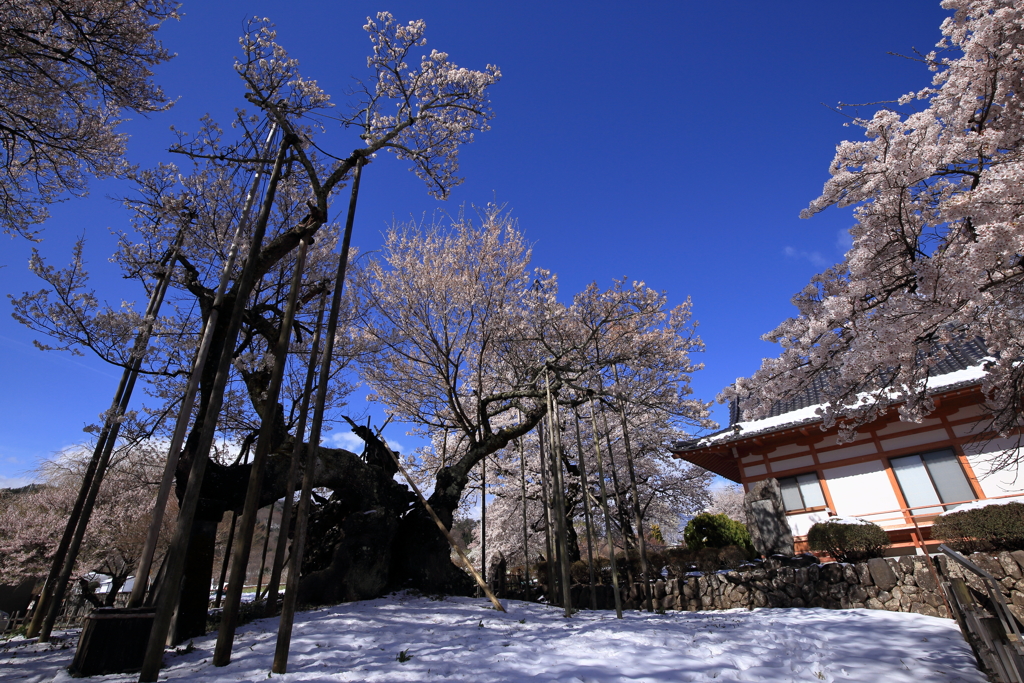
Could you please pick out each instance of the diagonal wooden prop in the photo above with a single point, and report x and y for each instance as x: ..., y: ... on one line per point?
x: 441, y: 526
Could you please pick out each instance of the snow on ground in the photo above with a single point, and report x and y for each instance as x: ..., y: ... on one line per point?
x: 462, y: 639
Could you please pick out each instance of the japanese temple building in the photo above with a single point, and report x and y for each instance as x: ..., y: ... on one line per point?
x: 900, y: 475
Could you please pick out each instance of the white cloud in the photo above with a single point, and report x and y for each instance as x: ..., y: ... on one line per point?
x: 13, y: 482
x: 844, y: 241
x: 815, y: 257
x: 351, y: 442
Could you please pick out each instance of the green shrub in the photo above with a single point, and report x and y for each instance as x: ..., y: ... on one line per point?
x: 993, y: 527
x: 716, y: 531
x: 849, y: 542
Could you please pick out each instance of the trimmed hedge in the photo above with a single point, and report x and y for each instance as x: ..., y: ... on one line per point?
x: 993, y: 527
x: 848, y: 542
x: 716, y: 531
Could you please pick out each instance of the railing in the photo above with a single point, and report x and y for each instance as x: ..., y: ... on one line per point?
x: 905, y: 517
x: 996, y: 640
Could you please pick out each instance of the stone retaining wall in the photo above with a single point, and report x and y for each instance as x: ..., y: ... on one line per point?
x: 904, y: 584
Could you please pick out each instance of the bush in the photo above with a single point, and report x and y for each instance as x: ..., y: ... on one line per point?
x: 716, y: 531
x: 849, y: 542
x: 993, y: 527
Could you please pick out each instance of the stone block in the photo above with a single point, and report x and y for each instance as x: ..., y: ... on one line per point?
x: 864, y: 573
x: 813, y: 573
x: 668, y: 602
x: 924, y: 608
x: 659, y: 589
x: 893, y: 605
x: 1018, y: 557
x: 850, y: 574
x: 874, y: 603
x: 858, y: 594
x: 884, y: 596
x: 925, y: 579
x: 906, y: 564
x: 872, y: 591
x: 832, y: 572
x: 989, y: 564
x: 882, y: 573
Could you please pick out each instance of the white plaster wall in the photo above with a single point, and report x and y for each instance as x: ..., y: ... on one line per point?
x: 787, y: 450
x: 860, y: 489
x: 792, y: 463
x: 755, y: 470
x: 848, y: 452
x: 922, y: 439
x: 901, y: 426
x: 801, y: 523
x: 994, y: 482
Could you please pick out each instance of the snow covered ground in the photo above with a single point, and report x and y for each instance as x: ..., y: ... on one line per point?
x: 462, y: 639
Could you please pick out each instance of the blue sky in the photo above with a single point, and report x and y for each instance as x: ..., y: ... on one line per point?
x: 671, y: 142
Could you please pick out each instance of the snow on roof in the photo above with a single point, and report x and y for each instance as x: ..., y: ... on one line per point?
x: 807, y: 414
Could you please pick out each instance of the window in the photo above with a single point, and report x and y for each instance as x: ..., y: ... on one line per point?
x: 934, y: 477
x: 802, y: 492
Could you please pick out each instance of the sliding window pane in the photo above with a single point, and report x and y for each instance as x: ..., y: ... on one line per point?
x: 948, y: 477
x: 915, y: 483
x: 791, y: 498
x: 810, y: 489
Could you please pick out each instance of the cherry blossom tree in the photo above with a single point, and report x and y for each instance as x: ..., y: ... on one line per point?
x: 67, y: 71
x: 937, y: 245
x: 461, y: 332
x: 421, y: 113
x: 31, y: 521
x: 728, y: 500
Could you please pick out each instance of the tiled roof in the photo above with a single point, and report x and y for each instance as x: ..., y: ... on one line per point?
x: 958, y: 357
x: 961, y: 366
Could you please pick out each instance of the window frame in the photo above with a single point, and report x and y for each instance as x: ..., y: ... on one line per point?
x: 796, y: 479
x: 928, y: 510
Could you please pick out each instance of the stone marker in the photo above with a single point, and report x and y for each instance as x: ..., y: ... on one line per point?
x: 766, y: 519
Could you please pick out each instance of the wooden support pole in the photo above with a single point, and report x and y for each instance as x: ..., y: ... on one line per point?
x: 447, y: 534
x: 191, y: 389
x: 620, y: 508
x: 177, y: 553
x: 546, y: 501
x: 227, y: 558
x: 586, y: 509
x: 101, y: 455
x: 559, y: 490
x: 526, y: 538
x: 243, y: 545
x: 483, y: 518
x: 607, y: 514
x: 638, y: 521
x: 284, y: 632
x: 266, y: 546
x: 298, y: 452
